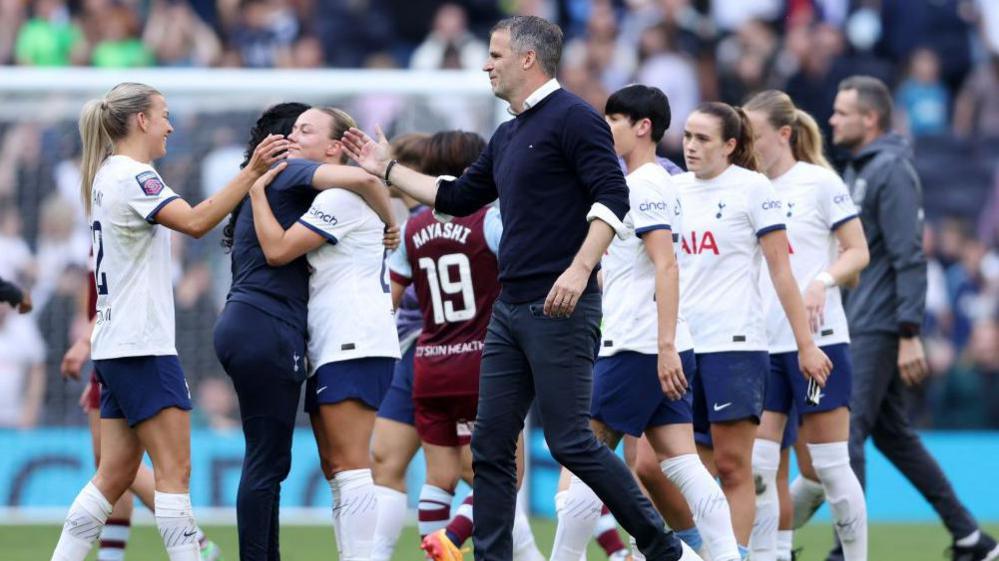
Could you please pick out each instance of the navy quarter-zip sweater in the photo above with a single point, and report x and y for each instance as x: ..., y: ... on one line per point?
x: 548, y: 166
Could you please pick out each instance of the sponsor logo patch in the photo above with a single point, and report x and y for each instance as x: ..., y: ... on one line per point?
x: 150, y: 183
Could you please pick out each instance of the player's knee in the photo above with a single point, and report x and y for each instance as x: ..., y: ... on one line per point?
x: 733, y: 469
x: 647, y: 470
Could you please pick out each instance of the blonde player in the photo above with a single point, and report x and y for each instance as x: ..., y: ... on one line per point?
x: 731, y: 216
x: 353, y: 345
x: 821, y: 220
x: 144, y: 400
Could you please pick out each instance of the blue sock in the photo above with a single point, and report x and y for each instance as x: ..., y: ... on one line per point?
x: 743, y: 552
x: 691, y: 537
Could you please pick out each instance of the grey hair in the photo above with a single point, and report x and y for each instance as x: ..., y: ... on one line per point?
x: 872, y: 95
x: 531, y: 33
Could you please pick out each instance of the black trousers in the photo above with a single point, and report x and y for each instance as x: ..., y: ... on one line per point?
x: 877, y: 410
x: 259, y: 353
x: 529, y: 356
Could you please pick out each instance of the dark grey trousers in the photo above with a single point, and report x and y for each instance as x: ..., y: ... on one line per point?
x: 528, y: 355
x: 877, y: 409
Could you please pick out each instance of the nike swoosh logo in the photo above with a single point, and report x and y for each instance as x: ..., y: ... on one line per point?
x: 189, y: 534
x: 722, y: 406
x: 320, y: 390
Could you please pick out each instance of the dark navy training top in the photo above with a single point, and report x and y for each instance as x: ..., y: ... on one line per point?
x: 548, y: 166
x: 282, y: 292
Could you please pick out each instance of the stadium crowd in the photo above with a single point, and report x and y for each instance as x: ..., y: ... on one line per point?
x: 942, y: 58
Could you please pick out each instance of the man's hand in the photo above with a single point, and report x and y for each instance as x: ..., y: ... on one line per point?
x: 373, y: 156
x: 25, y: 305
x: 392, y: 237
x: 814, y: 364
x: 670, y: 370
x: 912, y: 361
x: 815, y: 304
x: 273, y: 148
x: 75, y: 358
x: 565, y: 293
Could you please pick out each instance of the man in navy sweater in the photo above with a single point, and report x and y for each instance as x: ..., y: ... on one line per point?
x: 562, y: 198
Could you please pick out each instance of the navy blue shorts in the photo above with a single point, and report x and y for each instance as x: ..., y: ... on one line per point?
x: 787, y: 387
x: 788, y: 440
x: 627, y: 396
x: 364, y: 379
x: 398, y: 402
x: 138, y: 387
x: 728, y: 386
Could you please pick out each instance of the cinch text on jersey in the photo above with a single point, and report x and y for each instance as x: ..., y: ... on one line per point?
x: 450, y: 231
x: 653, y: 205
x: 767, y: 205
x: 327, y: 218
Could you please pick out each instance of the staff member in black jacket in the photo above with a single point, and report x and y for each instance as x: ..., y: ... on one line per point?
x: 15, y: 296
x: 553, y: 169
x: 885, y: 311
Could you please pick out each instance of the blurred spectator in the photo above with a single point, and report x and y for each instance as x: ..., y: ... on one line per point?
x: 215, y: 405
x: 743, y: 61
x: 16, y: 261
x: 307, y: 52
x: 967, y: 288
x: 266, y: 31
x: 976, y: 109
x: 605, y: 58
x: 49, y: 37
x: 22, y: 370
x: 813, y: 87
x: 57, y: 246
x: 969, y: 396
x: 674, y: 73
x: 922, y: 100
x: 351, y: 31
x: 119, y: 45
x: 12, y: 15
x: 730, y: 15
x: 450, y: 45
x: 178, y: 37
x: 941, y: 25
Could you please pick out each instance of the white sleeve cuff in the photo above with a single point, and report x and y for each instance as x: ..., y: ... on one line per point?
x: 600, y: 212
x: 440, y: 216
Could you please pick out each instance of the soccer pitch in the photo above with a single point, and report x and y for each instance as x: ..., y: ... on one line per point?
x: 888, y: 542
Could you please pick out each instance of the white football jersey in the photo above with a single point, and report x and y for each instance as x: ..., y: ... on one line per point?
x: 132, y: 266
x: 816, y: 202
x: 350, y: 309
x: 631, y: 320
x: 719, y: 273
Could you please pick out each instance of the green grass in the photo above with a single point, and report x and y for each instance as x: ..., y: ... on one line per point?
x: 888, y: 542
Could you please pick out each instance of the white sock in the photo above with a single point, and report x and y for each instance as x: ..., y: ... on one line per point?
x: 391, y: 517
x: 707, y: 503
x: 355, y: 513
x: 806, y: 496
x: 114, y: 538
x: 969, y: 540
x: 84, y: 522
x: 177, y: 527
x: 636, y: 554
x: 578, y: 509
x: 845, y: 495
x: 766, y: 462
x: 524, y: 548
x: 435, y: 509
x: 785, y: 542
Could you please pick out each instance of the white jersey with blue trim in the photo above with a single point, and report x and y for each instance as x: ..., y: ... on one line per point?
x: 631, y: 321
x: 350, y: 309
x: 132, y: 262
x: 816, y: 203
x: 723, y: 219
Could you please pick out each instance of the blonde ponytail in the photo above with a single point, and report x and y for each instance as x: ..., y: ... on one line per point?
x: 806, y: 138
x: 102, y: 123
x: 806, y: 142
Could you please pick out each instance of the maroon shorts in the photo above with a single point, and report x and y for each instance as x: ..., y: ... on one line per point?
x: 446, y: 421
x: 92, y: 400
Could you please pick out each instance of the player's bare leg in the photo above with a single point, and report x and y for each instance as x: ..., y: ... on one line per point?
x: 393, y: 446
x: 676, y: 455
x: 766, y: 463
x: 826, y: 434
x: 343, y: 433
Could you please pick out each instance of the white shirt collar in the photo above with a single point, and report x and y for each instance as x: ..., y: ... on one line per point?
x: 535, y: 98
